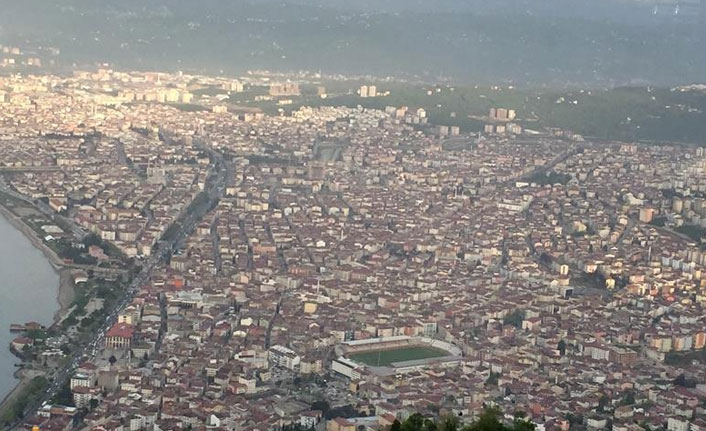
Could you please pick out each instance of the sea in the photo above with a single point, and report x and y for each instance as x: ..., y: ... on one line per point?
x: 28, y: 292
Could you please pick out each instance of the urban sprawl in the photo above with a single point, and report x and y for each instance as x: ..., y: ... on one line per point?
x: 342, y: 268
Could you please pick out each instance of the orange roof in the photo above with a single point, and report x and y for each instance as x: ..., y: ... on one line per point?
x: 121, y: 330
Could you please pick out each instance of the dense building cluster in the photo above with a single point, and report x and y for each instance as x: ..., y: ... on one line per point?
x: 563, y: 271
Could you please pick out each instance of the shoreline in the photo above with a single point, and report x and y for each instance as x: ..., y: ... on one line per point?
x: 64, y: 297
x: 65, y: 293
x: 31, y: 235
x: 24, y: 377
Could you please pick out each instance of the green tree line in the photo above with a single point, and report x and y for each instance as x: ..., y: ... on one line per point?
x: 489, y: 420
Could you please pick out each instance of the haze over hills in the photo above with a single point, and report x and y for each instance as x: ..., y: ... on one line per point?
x: 525, y: 42
x: 614, y: 10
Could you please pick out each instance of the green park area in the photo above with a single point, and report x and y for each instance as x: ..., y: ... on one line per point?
x: 27, y: 394
x: 643, y: 114
x: 383, y: 358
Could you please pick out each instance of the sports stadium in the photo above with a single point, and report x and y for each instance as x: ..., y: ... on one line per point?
x: 392, y: 355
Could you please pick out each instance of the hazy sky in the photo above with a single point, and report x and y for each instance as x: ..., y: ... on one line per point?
x: 532, y: 42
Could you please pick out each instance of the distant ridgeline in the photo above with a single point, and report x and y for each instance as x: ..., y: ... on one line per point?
x: 510, y: 44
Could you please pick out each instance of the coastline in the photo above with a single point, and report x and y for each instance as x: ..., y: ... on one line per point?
x: 24, y: 377
x: 64, y: 297
x: 31, y: 235
x: 65, y: 293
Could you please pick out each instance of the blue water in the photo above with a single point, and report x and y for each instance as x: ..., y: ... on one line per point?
x: 28, y: 292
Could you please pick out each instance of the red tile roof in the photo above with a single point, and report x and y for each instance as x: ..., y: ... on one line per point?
x: 121, y: 330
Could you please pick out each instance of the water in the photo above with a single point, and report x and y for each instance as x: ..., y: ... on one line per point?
x: 28, y: 291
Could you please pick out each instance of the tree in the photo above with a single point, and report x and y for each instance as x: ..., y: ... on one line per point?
x: 112, y: 360
x: 65, y: 397
x: 603, y: 403
x: 450, y: 423
x: 144, y: 360
x: 413, y: 423
x: 322, y: 405
x: 520, y: 424
x: 629, y: 399
x: 681, y: 380
x: 574, y: 419
x: 430, y: 425
x: 92, y: 239
x: 562, y: 347
x: 488, y: 421
x: 492, y: 379
x: 515, y: 318
x: 346, y: 411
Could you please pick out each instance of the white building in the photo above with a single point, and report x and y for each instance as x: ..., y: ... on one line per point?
x: 346, y: 367
x: 677, y: 424
x: 281, y: 356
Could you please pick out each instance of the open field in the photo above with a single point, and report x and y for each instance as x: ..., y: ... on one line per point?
x: 383, y: 358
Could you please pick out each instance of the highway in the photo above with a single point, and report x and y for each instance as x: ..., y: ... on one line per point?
x: 187, y: 222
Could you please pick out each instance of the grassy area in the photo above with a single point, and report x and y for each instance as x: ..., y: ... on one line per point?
x: 386, y: 357
x: 27, y: 395
x: 190, y: 107
x: 626, y: 113
x: 515, y: 318
x: 199, y: 203
x: 659, y: 221
x: 451, y: 106
x: 95, y: 288
x: 10, y: 201
x: 210, y: 91
x: 692, y: 231
x: 545, y: 178
x: 685, y: 358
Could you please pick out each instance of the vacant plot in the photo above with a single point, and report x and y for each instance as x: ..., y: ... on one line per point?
x: 383, y: 358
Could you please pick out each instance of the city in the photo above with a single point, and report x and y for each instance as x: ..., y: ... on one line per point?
x: 342, y: 268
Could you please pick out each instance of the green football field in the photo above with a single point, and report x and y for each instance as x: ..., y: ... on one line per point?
x: 384, y: 358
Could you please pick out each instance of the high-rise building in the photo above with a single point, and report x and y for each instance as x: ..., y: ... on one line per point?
x: 647, y: 215
x: 286, y: 89
x: 234, y: 86
x: 368, y: 91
